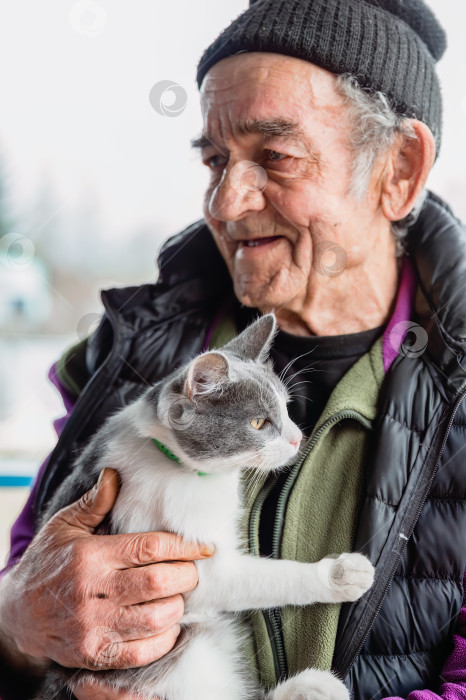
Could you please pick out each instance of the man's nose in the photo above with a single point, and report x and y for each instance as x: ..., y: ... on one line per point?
x: 240, y: 190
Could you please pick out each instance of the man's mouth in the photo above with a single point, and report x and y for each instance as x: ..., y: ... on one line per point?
x: 254, y: 242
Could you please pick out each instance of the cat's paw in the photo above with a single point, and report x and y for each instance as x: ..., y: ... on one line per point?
x: 311, y: 685
x: 348, y: 576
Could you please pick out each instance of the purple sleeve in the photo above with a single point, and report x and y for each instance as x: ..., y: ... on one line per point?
x: 22, y: 530
x: 453, y: 676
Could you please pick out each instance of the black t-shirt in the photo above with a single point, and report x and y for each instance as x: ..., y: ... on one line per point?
x: 318, y: 365
x: 320, y: 362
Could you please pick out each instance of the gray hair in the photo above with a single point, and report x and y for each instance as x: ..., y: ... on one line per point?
x: 374, y: 131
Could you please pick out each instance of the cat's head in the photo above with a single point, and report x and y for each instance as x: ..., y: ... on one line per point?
x: 227, y: 408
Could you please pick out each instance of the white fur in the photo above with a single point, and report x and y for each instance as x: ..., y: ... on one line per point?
x: 159, y: 495
x: 318, y: 685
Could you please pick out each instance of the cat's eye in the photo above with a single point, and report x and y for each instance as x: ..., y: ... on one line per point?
x: 257, y: 423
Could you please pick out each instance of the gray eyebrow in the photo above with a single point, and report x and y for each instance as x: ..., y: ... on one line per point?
x: 280, y: 126
x: 268, y: 128
x: 201, y: 142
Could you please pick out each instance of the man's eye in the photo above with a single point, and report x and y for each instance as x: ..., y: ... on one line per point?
x: 276, y: 156
x: 217, y: 161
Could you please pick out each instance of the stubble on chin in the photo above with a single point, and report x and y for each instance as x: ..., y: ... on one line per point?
x: 271, y: 282
x: 265, y: 290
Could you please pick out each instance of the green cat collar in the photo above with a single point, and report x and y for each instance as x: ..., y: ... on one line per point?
x: 168, y: 453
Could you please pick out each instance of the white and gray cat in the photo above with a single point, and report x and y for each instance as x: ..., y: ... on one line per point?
x: 223, y: 412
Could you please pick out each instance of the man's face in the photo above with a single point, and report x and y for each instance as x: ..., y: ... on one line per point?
x: 271, y: 221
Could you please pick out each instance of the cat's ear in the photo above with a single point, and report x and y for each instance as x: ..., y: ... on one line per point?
x: 206, y: 374
x: 255, y: 341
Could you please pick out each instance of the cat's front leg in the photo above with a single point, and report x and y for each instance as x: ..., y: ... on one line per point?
x: 243, y: 582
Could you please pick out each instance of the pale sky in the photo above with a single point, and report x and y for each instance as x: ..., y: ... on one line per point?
x: 76, y: 114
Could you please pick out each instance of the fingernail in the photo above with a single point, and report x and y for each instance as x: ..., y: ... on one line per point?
x: 207, y: 550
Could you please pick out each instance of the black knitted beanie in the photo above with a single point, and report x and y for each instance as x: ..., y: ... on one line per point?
x: 387, y: 45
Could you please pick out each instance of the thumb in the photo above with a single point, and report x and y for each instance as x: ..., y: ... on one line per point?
x: 89, y: 511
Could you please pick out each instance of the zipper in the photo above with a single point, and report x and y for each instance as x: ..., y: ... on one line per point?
x: 273, y: 621
x: 380, y: 588
x: 293, y: 475
x: 272, y: 617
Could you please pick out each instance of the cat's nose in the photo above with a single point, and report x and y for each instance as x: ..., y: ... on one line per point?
x: 296, y: 439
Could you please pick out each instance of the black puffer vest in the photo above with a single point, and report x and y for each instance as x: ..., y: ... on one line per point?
x: 413, y: 519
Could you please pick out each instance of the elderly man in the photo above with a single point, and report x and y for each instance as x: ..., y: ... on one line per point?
x: 322, y: 120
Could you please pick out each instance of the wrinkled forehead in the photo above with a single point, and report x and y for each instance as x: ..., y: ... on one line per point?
x: 265, y: 79
x: 255, y: 87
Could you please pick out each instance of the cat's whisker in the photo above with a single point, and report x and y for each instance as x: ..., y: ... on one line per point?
x: 288, y: 381
x: 310, y: 369
x: 252, y: 482
x: 298, y: 372
x: 258, y: 464
x: 293, y: 394
x: 303, y: 381
x: 294, y: 359
x: 305, y: 398
x: 301, y: 369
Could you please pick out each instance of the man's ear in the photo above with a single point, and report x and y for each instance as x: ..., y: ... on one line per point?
x: 408, y: 165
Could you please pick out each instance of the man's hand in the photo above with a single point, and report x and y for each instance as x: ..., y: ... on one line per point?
x: 96, y: 602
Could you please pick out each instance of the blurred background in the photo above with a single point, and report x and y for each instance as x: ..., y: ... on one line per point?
x: 99, y: 104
